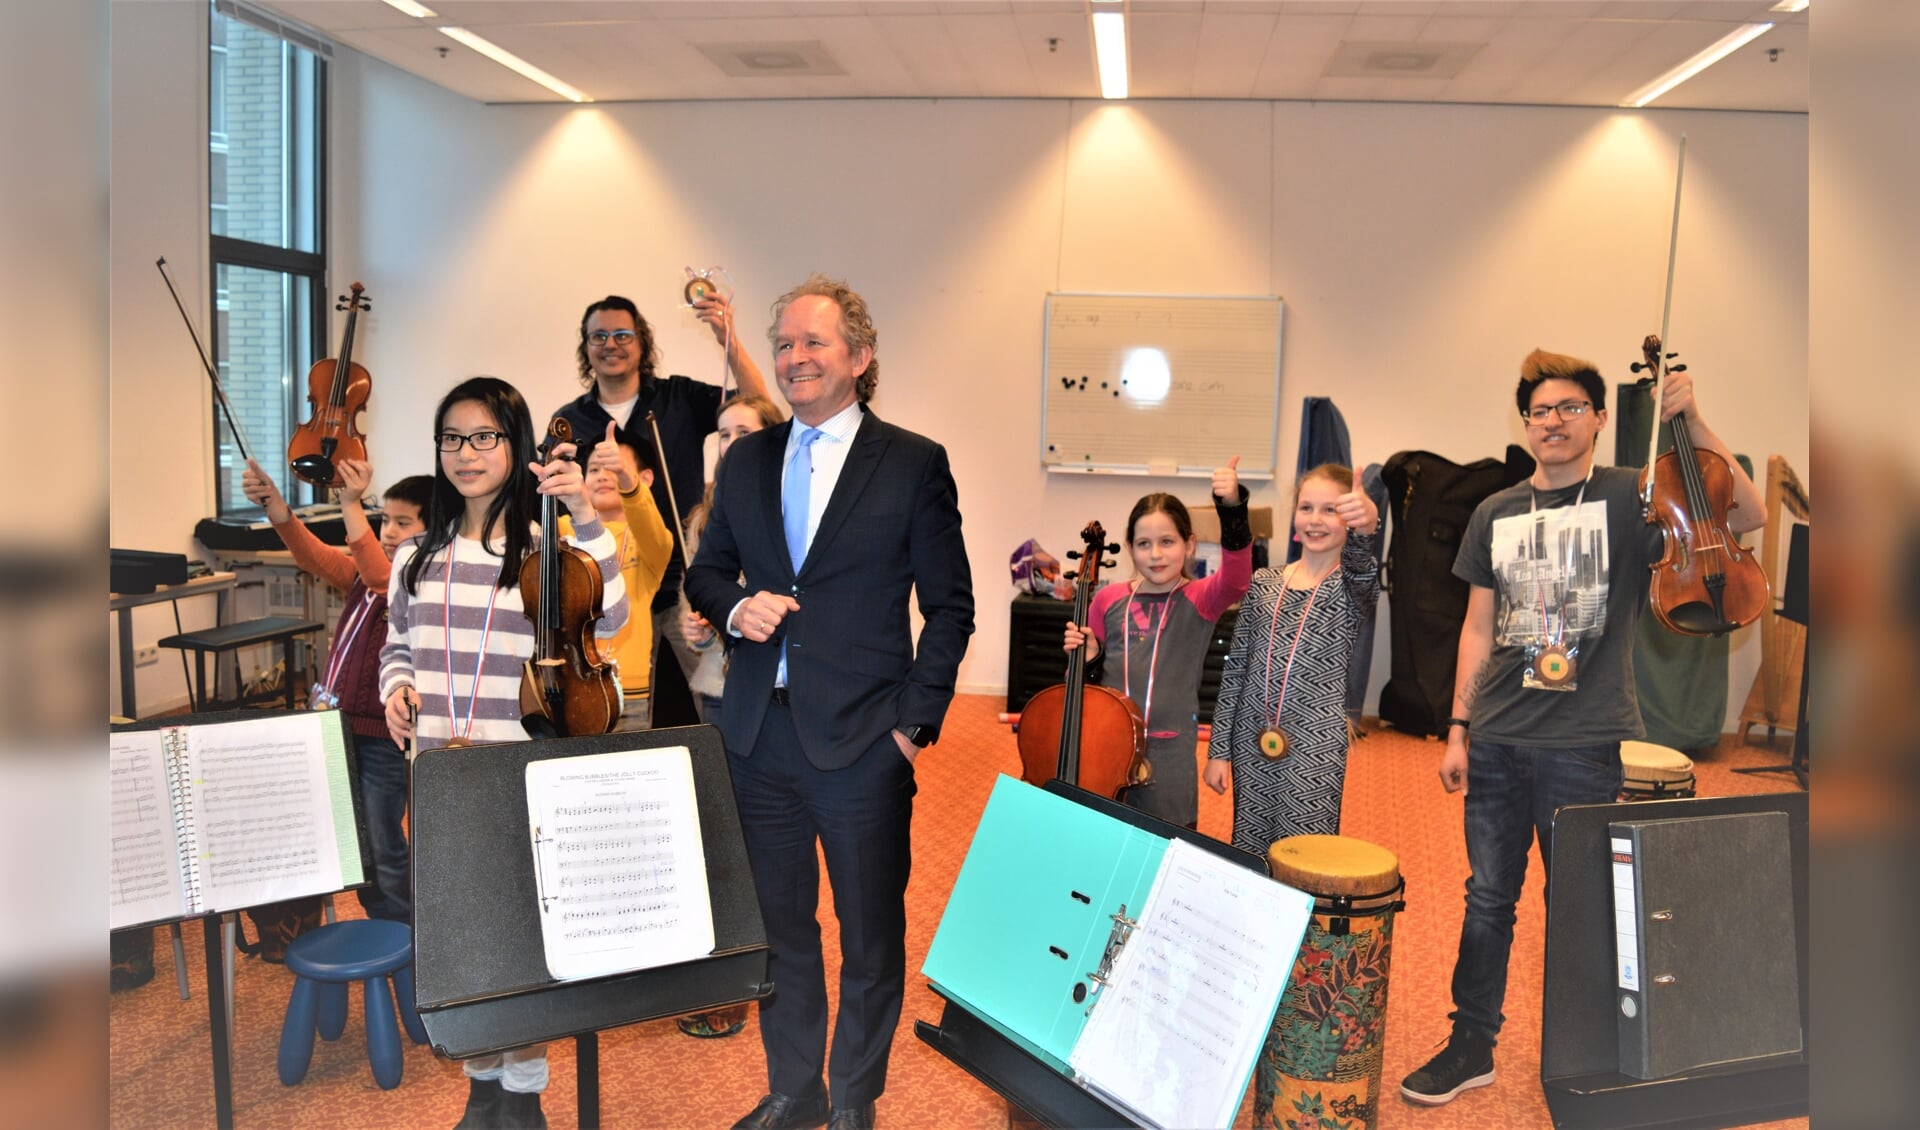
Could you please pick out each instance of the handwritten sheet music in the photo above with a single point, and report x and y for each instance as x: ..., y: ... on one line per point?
x: 272, y: 810
x: 145, y: 885
x: 1174, y: 1035
x: 618, y: 862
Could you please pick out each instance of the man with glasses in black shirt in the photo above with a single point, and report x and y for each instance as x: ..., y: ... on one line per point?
x: 619, y: 362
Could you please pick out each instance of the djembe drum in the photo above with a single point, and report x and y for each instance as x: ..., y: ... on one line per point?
x: 1323, y: 1055
x: 1654, y: 772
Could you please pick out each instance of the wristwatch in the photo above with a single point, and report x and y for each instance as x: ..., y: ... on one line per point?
x: 1460, y: 722
x: 920, y: 736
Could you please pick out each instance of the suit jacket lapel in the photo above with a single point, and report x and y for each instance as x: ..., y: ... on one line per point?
x: 863, y: 458
x: 770, y: 471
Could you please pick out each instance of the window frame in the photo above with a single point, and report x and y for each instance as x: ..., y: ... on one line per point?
x: 228, y: 251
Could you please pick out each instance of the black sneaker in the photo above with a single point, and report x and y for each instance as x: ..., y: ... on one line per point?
x: 1465, y: 1063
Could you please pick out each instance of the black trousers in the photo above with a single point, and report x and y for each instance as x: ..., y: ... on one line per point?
x: 861, y: 818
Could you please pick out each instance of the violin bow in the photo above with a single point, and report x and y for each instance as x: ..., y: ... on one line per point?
x: 1666, y: 315
x: 239, y: 436
x: 673, y: 506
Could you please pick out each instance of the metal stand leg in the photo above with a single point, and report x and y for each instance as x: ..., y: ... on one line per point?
x: 180, y: 960
x: 587, y: 1060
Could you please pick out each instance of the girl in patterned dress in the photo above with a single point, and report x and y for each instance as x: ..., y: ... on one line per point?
x: 1280, y: 720
x: 1165, y: 619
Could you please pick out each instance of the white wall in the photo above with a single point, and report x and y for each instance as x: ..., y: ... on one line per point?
x: 160, y: 420
x: 1422, y: 251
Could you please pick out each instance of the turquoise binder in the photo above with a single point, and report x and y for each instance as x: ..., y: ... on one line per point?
x: 1031, y: 913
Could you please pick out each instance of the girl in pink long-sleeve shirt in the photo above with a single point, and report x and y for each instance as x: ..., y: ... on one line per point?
x: 1165, y: 620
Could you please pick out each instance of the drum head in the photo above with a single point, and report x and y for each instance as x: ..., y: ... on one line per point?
x: 1644, y: 761
x: 1334, y: 865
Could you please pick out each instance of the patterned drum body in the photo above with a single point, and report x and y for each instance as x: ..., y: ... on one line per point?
x: 1654, y: 772
x: 1321, y: 1065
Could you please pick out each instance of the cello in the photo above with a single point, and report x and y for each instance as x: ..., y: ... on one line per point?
x: 566, y: 688
x: 1705, y: 583
x: 1061, y: 721
x: 337, y: 392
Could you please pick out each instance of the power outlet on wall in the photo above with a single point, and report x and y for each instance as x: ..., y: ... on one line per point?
x: 146, y: 657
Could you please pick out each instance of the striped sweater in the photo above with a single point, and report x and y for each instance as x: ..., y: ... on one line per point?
x: 434, y: 638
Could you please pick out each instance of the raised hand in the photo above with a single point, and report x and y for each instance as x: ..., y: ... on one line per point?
x: 258, y: 486
x: 1357, y: 511
x: 356, y: 475
x: 1226, y: 481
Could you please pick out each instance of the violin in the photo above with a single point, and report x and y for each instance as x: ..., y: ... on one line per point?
x: 566, y: 689
x: 1061, y: 722
x: 1705, y: 583
x: 337, y: 392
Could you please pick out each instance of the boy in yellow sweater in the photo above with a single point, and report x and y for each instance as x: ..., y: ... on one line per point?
x: 619, y: 474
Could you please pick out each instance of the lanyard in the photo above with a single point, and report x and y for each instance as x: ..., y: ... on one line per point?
x: 360, y: 616
x: 1126, y: 652
x: 1273, y: 630
x: 480, y: 659
x: 1566, y: 580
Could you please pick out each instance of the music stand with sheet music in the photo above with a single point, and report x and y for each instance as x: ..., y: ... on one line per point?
x: 480, y: 973
x: 219, y: 1019
x: 979, y: 1047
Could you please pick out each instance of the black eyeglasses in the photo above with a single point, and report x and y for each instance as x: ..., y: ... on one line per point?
x: 618, y: 337
x: 450, y: 442
x: 1569, y: 410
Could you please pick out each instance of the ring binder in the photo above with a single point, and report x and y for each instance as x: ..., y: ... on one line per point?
x: 1117, y: 938
x: 173, y: 747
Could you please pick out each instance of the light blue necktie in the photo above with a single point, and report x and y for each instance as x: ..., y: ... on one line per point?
x: 795, y: 496
x: 795, y: 499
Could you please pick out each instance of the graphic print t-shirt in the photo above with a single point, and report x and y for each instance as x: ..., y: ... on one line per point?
x: 1555, y: 567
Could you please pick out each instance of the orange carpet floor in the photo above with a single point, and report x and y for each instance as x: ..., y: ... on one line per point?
x: 652, y: 1076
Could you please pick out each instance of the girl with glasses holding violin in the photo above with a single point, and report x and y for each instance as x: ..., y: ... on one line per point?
x: 458, y: 635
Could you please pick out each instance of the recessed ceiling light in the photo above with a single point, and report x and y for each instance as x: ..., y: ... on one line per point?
x: 408, y: 7
x: 513, y: 62
x: 1110, y: 50
x: 1726, y: 45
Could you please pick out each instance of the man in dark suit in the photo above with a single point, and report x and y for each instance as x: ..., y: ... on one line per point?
x: 819, y: 530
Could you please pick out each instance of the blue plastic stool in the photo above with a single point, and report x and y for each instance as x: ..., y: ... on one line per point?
x: 324, y: 962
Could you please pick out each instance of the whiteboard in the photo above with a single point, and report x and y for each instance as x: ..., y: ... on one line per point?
x: 1160, y: 385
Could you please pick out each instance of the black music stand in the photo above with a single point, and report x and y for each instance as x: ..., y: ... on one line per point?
x: 1579, y: 1037
x: 1010, y: 1070
x: 1794, y: 606
x: 480, y: 972
x: 220, y: 1023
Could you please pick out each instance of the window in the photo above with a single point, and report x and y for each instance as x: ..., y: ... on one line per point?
x: 266, y: 218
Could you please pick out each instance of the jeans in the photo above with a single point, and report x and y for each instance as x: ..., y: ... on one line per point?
x: 383, y: 791
x: 1512, y: 792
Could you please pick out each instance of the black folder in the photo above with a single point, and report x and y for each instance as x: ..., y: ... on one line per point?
x: 480, y: 972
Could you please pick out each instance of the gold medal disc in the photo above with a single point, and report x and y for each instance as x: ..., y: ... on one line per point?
x: 698, y: 290
x: 454, y: 742
x: 1554, y: 666
x: 1273, y: 745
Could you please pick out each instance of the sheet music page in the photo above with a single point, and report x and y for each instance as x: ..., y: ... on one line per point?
x: 1174, y: 1036
x: 618, y: 862
x: 145, y: 884
x: 267, y: 799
